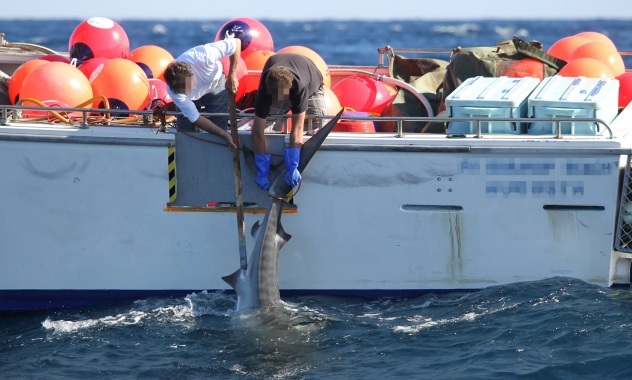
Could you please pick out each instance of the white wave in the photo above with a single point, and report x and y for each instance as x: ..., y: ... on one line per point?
x: 457, y: 30
x: 395, y: 28
x: 160, y: 310
x: 506, y: 32
x: 159, y: 29
x: 419, y: 322
x: 66, y: 327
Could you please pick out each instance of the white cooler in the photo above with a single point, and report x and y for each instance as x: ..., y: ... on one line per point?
x: 484, y: 97
x: 573, y: 97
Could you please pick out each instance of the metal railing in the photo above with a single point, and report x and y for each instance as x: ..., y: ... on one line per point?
x: 11, y: 113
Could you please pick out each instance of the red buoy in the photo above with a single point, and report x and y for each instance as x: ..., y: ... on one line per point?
x: 98, y: 37
x: 625, y: 89
x: 520, y: 68
x: 158, y: 95
x: 363, y: 94
x: 365, y: 126
x: 55, y: 58
x: 242, y: 71
x: 254, y: 35
x: 87, y: 67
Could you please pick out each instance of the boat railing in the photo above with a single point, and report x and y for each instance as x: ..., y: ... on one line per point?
x: 388, y: 50
x: 11, y: 114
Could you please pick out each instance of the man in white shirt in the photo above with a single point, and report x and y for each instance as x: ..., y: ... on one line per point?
x: 196, y: 83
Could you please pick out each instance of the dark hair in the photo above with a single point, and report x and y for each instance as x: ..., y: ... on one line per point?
x: 279, y: 77
x: 176, y: 74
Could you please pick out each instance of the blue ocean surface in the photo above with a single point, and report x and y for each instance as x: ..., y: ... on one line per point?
x: 558, y: 328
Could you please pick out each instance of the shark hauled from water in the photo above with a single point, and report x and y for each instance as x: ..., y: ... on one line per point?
x: 258, y: 285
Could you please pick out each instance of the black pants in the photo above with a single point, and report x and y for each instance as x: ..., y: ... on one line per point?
x: 214, y: 101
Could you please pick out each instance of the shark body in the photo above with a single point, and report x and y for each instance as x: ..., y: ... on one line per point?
x: 258, y: 284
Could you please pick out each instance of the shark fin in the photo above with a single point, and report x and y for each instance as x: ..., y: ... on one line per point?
x: 255, y: 229
x: 231, y: 279
x: 283, y: 236
x: 311, y: 146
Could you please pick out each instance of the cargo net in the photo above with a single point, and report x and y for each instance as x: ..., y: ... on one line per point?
x: 623, y: 242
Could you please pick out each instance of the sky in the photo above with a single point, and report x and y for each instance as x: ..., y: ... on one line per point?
x: 291, y: 10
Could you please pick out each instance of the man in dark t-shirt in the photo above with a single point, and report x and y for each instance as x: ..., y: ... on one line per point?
x: 289, y: 82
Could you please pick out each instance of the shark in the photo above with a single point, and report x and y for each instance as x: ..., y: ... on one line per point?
x: 257, y: 286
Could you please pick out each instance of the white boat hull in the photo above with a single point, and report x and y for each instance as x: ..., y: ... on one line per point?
x: 90, y: 221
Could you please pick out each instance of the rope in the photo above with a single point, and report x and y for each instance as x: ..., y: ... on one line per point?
x: 93, y: 119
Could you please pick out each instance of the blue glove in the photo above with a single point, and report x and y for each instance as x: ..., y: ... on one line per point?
x: 262, y: 162
x: 292, y: 158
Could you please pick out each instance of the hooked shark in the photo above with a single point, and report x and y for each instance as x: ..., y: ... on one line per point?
x: 258, y: 284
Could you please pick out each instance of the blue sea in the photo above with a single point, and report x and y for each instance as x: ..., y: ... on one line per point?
x: 558, y: 328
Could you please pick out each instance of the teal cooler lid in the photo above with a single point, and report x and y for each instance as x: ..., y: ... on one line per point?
x: 486, y: 92
x: 574, y: 92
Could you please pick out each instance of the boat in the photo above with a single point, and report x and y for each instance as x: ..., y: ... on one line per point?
x: 121, y: 210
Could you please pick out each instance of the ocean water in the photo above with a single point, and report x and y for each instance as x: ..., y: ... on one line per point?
x: 559, y: 328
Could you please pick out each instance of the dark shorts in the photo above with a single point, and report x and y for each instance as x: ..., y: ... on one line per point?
x: 214, y: 101
x: 315, y: 107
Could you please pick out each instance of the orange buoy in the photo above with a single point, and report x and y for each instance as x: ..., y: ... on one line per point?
x: 98, y: 37
x: 88, y: 66
x: 625, y: 89
x: 152, y: 59
x: 315, y: 57
x: 254, y: 62
x: 253, y: 34
x: 57, y: 81
x: 332, y: 104
x: 363, y: 94
x: 586, y: 67
x: 48, y: 103
x: 597, y: 37
x: 602, y: 51
x: 257, y: 60
x: 15, y: 82
x: 123, y: 82
x: 563, y: 47
x: 242, y: 71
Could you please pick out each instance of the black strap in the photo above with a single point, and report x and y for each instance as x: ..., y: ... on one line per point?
x: 535, y: 51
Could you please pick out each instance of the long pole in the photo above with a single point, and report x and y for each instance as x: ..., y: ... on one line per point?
x: 239, y: 201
